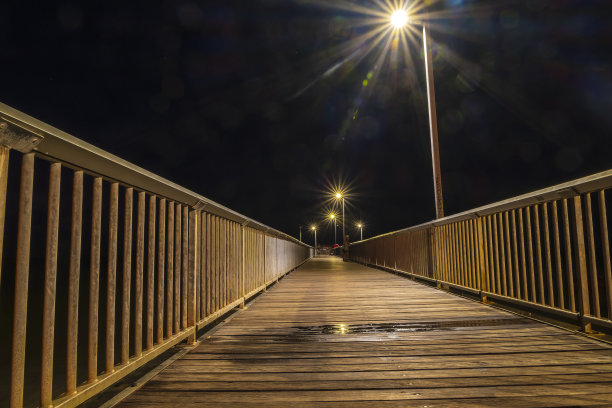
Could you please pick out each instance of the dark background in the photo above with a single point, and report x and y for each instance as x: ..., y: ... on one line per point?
x: 204, y: 94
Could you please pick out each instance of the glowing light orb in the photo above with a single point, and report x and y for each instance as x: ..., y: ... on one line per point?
x: 399, y: 19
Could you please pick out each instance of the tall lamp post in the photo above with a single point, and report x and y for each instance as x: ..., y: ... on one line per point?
x: 314, y: 229
x: 339, y: 196
x: 360, y: 226
x: 333, y: 218
x: 300, y: 233
x: 399, y: 19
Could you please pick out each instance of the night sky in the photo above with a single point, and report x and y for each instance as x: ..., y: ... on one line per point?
x: 238, y: 99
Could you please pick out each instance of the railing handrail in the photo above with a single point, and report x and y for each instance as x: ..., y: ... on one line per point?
x: 59, y: 145
x: 568, y: 189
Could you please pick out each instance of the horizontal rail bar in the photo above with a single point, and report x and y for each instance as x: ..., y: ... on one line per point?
x: 59, y: 145
x: 582, y: 185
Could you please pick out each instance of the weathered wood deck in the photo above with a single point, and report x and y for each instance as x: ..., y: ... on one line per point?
x: 334, y: 334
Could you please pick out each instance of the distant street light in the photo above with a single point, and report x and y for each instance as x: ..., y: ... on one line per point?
x: 333, y: 218
x: 399, y: 18
x: 339, y: 196
x: 300, y: 233
x: 360, y: 226
x: 314, y: 228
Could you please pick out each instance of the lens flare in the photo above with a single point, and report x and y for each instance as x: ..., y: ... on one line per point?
x: 399, y: 19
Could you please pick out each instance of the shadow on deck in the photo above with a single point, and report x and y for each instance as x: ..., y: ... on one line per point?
x: 336, y: 334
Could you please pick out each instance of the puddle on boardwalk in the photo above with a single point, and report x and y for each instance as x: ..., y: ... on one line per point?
x: 371, y: 328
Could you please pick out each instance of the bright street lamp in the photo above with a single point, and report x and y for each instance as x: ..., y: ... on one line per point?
x: 399, y: 18
x: 360, y: 226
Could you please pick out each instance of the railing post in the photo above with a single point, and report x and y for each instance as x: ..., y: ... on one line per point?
x: 4, y: 161
x: 243, y: 265
x: 431, y: 254
x: 482, y: 263
x: 22, y: 271
x: 584, y: 307
x: 192, y: 275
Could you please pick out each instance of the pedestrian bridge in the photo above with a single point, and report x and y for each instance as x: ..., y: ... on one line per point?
x: 113, y: 275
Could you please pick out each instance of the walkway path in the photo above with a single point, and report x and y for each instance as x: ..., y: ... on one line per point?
x: 335, y: 334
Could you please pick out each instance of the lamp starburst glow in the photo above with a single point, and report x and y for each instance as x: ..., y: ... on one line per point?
x: 399, y: 19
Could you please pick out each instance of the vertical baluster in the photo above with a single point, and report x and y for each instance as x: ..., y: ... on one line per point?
x: 523, y: 256
x: 457, y: 252
x: 170, y: 271
x: 475, y: 254
x: 112, y: 276
x: 215, y: 263
x: 508, y: 274
x: 177, y: 265
x: 151, y: 270
x: 581, y: 263
x: 94, y: 280
x: 464, y: 264
x: 192, y: 273
x: 444, y: 238
x: 443, y: 277
x: 225, y: 283
x: 203, y: 256
x: 482, y: 256
x: 161, y: 267
x: 48, y: 327
x: 568, y: 257
x: 230, y: 262
x: 470, y: 254
x: 22, y: 271
x: 4, y: 162
x: 185, y: 269
x: 127, y: 276
x: 221, y: 263
x: 497, y: 259
x: 138, y: 277
x: 605, y: 248
x: 209, y: 259
x: 491, y: 272
x: 502, y: 254
x: 516, y: 270
x: 557, y: 238
x: 592, y: 257
x: 549, y: 270
x: 243, y: 262
x: 536, y: 220
x: 73, y: 282
x: 532, y: 282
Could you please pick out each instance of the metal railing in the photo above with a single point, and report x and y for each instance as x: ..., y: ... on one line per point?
x: 548, y: 251
x: 162, y: 261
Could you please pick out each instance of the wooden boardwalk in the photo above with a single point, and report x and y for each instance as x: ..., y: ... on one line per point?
x: 335, y: 334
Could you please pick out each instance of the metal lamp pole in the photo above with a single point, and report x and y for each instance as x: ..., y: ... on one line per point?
x: 335, y: 231
x: 343, y: 223
x: 433, y: 122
